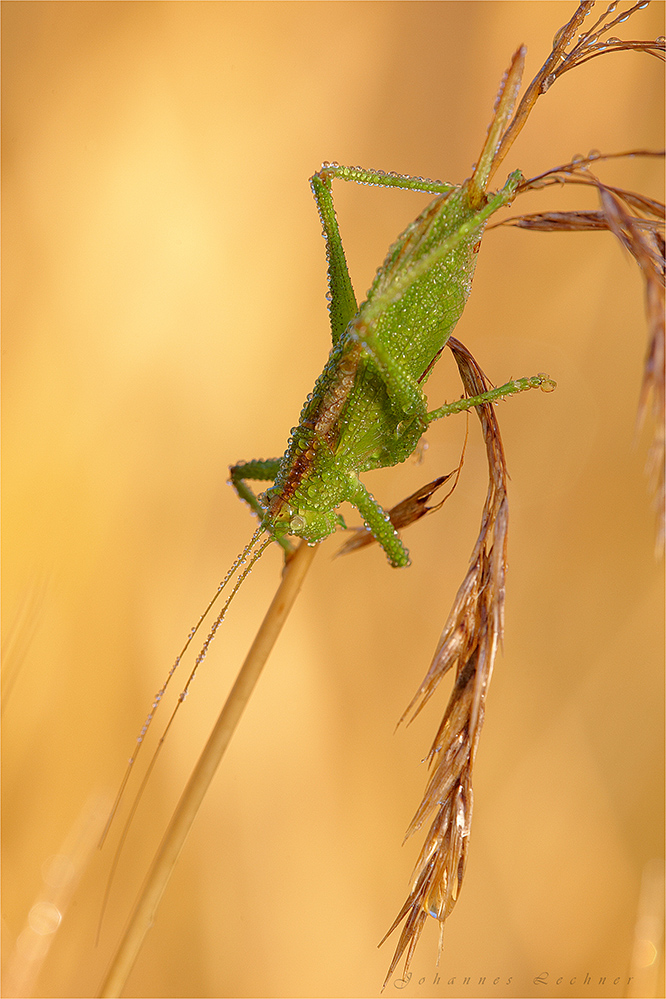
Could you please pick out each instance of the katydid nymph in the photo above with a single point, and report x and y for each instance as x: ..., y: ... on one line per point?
x: 368, y: 409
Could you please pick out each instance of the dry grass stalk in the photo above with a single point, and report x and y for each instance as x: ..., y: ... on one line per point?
x: 469, y: 643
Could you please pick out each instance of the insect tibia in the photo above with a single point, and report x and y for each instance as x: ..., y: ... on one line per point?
x: 379, y: 523
x: 380, y: 178
x: 407, y: 512
x: 541, y: 381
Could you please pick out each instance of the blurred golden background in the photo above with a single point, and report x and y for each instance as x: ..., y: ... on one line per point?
x: 165, y: 316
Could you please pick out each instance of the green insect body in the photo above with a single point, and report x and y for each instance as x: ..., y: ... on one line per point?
x: 368, y: 409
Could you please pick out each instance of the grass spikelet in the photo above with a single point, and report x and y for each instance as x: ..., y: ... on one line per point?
x: 469, y: 644
x: 646, y: 246
x: 589, y: 44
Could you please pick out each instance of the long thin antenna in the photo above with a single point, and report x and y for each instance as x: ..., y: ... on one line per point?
x: 200, y: 658
x: 240, y: 559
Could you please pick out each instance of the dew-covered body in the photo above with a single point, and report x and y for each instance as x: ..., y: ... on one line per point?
x: 368, y: 409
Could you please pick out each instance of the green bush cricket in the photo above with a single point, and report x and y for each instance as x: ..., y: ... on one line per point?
x: 368, y: 408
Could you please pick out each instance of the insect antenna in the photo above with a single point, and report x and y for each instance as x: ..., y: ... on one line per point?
x: 238, y: 561
x: 245, y: 555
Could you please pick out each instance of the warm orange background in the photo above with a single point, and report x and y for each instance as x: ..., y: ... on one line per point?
x: 164, y: 316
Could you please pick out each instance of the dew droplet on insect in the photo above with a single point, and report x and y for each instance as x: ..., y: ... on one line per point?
x: 577, y: 158
x: 547, y: 383
x: 593, y: 154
